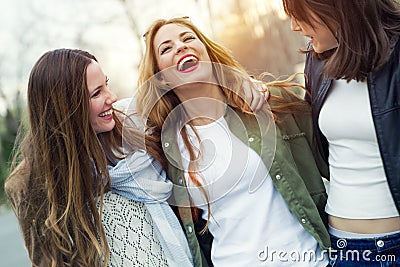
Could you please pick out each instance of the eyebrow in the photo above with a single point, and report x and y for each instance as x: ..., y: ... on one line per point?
x: 168, y: 41
x: 98, y: 87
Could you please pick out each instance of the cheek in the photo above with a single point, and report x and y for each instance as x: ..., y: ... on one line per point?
x: 307, y: 29
x: 93, y: 111
x: 329, y: 40
x: 163, y: 62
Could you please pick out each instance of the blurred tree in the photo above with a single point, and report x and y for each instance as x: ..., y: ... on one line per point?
x: 260, y: 37
x: 9, y: 124
x: 25, y: 37
x: 132, y: 19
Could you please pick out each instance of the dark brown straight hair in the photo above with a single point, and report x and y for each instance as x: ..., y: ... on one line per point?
x: 365, y: 29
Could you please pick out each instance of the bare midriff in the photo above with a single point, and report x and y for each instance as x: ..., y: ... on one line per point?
x: 366, y: 226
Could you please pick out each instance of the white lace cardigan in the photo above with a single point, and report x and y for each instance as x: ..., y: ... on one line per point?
x: 130, y: 233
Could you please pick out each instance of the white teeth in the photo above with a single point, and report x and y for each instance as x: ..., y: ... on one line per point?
x: 186, y: 59
x: 106, y: 113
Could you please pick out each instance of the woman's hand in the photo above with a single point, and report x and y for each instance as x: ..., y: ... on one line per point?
x: 256, y: 94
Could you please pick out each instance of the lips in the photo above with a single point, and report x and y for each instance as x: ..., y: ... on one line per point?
x: 106, y: 113
x: 187, y: 63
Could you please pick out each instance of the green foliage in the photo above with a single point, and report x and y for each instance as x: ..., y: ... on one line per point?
x: 9, y: 124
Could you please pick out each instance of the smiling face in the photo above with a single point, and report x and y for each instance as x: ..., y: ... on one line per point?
x: 179, y: 51
x: 101, y: 99
x: 321, y: 37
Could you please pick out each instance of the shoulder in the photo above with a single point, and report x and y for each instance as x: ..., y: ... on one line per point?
x: 128, y: 108
x: 395, y: 46
x: 288, y: 93
x: 125, y: 104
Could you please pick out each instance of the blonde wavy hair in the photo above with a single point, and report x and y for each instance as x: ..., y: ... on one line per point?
x: 155, y: 104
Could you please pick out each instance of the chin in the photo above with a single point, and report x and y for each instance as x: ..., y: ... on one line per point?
x: 320, y: 50
x: 105, y: 128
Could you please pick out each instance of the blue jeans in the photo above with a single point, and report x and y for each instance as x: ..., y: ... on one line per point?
x: 371, y: 252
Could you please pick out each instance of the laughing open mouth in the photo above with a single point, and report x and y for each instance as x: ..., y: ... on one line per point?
x: 187, y: 63
x: 106, y: 113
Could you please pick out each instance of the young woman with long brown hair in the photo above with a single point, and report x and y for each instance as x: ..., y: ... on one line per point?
x: 60, y: 184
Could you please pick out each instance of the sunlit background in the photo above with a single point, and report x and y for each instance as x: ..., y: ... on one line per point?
x: 256, y: 31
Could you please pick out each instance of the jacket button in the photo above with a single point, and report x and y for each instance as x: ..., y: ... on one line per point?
x: 180, y: 181
x: 278, y: 177
x: 303, y: 220
x: 166, y: 144
x: 251, y: 139
x: 190, y: 229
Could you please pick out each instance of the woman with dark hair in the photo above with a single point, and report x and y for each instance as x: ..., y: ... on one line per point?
x: 353, y: 73
x: 60, y: 184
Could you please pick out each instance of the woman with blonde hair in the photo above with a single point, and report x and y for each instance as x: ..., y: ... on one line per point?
x: 60, y: 187
x: 246, y: 182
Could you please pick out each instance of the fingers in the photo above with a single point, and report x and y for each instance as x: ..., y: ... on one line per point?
x: 260, y: 95
x: 248, y: 93
x: 258, y: 99
x: 256, y: 94
x: 260, y: 104
x: 266, y: 94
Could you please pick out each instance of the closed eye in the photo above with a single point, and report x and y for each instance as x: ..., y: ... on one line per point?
x: 165, y: 49
x: 188, y: 38
x: 95, y: 94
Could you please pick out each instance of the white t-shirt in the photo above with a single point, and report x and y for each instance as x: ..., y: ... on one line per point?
x: 250, y: 228
x: 358, y: 185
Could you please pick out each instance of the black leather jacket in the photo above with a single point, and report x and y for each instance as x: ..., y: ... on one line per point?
x: 384, y: 94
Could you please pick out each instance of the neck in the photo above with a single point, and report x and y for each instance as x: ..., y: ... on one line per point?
x: 202, y: 103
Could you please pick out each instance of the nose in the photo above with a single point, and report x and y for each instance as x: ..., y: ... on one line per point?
x: 111, y: 97
x: 181, y: 46
x: 294, y: 25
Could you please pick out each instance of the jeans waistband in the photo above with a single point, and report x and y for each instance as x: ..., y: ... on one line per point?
x: 344, y: 234
x: 379, y: 243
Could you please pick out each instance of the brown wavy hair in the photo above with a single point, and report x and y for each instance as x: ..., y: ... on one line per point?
x: 363, y: 29
x: 67, y: 165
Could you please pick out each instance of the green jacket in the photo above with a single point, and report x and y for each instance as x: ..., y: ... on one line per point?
x: 292, y: 167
